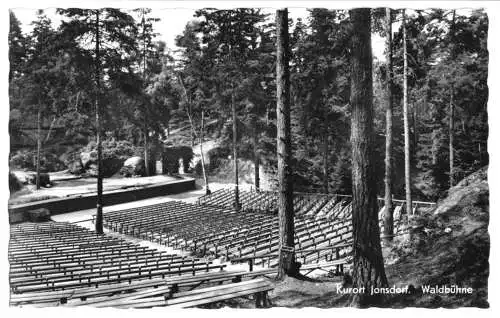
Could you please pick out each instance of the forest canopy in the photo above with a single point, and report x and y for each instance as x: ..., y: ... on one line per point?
x: 227, y: 56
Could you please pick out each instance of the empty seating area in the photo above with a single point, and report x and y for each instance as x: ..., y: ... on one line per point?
x: 57, y: 256
x: 262, y: 201
x: 214, y: 231
x: 66, y: 264
x: 306, y: 205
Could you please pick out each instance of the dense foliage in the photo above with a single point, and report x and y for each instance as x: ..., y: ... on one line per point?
x: 226, y: 57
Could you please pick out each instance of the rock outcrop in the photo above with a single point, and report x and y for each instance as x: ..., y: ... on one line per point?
x: 133, y: 166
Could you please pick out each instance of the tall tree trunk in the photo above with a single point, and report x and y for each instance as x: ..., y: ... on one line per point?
x: 256, y: 159
x: 38, y: 144
x: 146, y: 148
x: 415, y: 129
x: 98, y: 222
x: 452, y: 103
x: 409, y: 204
x: 146, y: 132
x: 192, y: 136
x: 368, y: 266
x: 205, y: 178
x: 325, y: 158
x: 451, y: 130
x: 189, y: 109
x: 287, y: 264
x: 388, y: 217
x: 235, y: 154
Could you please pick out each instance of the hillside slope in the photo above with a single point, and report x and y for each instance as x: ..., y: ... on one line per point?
x: 448, y: 246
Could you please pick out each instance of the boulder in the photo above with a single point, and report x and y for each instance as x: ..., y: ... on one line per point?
x: 75, y: 167
x: 44, y: 179
x: 110, y: 166
x: 72, y: 162
x: 91, y: 170
x: 87, y: 158
x: 133, y: 166
x: 39, y: 215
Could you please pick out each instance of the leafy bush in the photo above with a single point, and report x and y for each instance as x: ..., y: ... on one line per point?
x: 111, y: 148
x: 44, y: 179
x: 215, y: 155
x: 26, y: 159
x: 114, y: 154
x: 23, y: 159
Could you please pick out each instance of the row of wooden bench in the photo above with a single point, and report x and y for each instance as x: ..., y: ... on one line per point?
x: 215, y: 231
x: 52, y: 256
x: 175, y: 292
x: 305, y: 204
x: 180, y: 291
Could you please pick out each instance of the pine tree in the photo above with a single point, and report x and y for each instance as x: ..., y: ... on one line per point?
x: 409, y: 204
x: 388, y: 212
x: 368, y: 264
x: 286, y: 264
x: 107, y: 28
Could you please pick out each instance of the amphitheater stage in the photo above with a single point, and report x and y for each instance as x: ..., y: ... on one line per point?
x: 17, y: 213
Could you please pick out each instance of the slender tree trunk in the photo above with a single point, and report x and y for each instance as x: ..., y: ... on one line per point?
x: 146, y: 132
x: 256, y: 159
x: 451, y: 133
x: 205, y: 178
x: 235, y: 154
x: 98, y: 222
x: 146, y: 149
x: 409, y: 204
x: 189, y: 110
x: 368, y: 265
x: 415, y: 129
x: 325, y: 159
x: 38, y: 144
x: 192, y: 136
x: 388, y: 217
x: 51, y: 127
x: 287, y: 264
x: 452, y: 104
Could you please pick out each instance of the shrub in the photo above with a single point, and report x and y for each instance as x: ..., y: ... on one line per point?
x: 121, y: 149
x: 44, y: 179
x: 217, y: 155
x: 114, y: 154
x: 26, y: 159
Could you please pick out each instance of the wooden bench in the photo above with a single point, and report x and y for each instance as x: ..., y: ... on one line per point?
x: 181, y: 291
x: 63, y: 296
x: 197, y: 297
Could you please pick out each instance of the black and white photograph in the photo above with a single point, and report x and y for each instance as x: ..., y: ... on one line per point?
x: 253, y: 155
